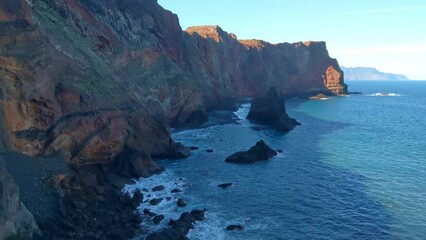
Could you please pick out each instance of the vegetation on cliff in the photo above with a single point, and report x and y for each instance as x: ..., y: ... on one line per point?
x: 99, y: 82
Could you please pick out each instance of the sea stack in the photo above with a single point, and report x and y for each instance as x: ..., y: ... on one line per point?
x: 270, y: 110
x: 259, y: 152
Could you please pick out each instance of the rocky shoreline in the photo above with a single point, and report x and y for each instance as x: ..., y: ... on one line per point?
x: 94, y: 86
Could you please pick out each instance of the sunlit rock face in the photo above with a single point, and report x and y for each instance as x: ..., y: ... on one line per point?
x: 89, y: 78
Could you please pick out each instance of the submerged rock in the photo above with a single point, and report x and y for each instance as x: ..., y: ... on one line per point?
x: 233, y: 227
x: 258, y: 152
x: 270, y: 110
x: 157, y: 219
x: 224, y: 185
x: 181, y: 203
x: 155, y: 201
x: 176, y: 190
x: 158, y: 188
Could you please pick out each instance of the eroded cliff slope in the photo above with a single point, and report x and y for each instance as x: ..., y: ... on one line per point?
x: 91, y: 78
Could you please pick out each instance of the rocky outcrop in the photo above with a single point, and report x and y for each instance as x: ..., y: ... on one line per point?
x: 259, y: 152
x: 179, y: 228
x: 16, y: 222
x: 233, y: 227
x: 270, y: 110
x: 92, y: 206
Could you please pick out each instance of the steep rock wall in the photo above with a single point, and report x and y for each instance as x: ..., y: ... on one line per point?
x: 90, y: 78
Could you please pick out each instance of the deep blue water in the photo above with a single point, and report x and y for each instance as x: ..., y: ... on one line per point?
x: 355, y: 169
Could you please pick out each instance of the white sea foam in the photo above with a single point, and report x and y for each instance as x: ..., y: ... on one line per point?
x: 382, y: 94
x: 214, y: 227
x: 167, y: 208
x: 242, y: 111
x: 210, y: 228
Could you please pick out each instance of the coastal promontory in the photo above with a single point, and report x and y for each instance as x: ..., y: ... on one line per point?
x: 95, y: 85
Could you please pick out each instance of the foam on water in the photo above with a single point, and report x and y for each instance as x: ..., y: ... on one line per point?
x: 340, y: 176
x: 242, y: 111
x: 168, y: 208
x: 381, y: 94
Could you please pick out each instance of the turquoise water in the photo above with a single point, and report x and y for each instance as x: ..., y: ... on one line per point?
x: 355, y: 169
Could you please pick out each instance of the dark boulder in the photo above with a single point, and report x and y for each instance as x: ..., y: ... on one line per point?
x: 137, y: 196
x: 148, y: 212
x: 176, y: 190
x: 155, y: 201
x: 259, y: 152
x: 178, y: 228
x: 235, y: 227
x: 224, y: 185
x: 198, y: 214
x: 181, y: 203
x: 157, y: 219
x: 270, y: 110
x: 158, y: 188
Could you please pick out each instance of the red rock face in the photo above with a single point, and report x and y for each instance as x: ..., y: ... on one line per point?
x: 251, y: 67
x: 63, y: 61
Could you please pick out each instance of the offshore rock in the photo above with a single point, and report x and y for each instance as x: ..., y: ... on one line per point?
x: 270, y: 110
x: 233, y: 227
x: 259, y: 152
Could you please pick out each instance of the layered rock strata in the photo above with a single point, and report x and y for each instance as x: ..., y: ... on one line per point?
x: 97, y: 81
x: 72, y: 72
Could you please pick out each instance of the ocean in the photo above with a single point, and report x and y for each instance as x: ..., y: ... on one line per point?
x: 354, y: 169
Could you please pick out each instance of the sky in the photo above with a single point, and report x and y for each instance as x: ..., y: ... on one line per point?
x: 389, y: 35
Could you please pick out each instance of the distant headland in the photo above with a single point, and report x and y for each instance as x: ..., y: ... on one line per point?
x: 368, y: 73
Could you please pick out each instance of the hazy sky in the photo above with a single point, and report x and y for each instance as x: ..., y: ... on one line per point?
x: 389, y: 35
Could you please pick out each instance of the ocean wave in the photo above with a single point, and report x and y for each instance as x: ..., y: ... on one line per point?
x: 167, y: 206
x: 242, y: 111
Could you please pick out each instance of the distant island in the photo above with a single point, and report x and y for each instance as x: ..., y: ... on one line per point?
x: 367, y: 73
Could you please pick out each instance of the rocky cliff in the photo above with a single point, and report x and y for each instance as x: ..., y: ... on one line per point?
x: 99, y: 81
x: 74, y: 72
